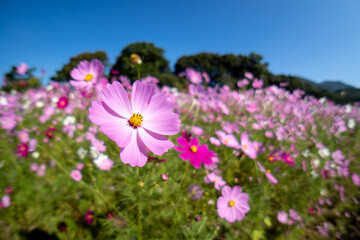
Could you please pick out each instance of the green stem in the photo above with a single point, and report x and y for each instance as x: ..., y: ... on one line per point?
x: 138, y: 72
x: 186, y: 170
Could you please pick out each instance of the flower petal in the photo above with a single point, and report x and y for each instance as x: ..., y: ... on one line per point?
x: 156, y: 143
x: 118, y: 131
x: 141, y: 96
x: 164, y: 123
x: 115, y: 97
x: 135, y: 152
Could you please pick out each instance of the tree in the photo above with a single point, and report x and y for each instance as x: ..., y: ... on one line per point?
x: 20, y: 82
x: 224, y: 69
x: 64, y: 73
x: 153, y: 61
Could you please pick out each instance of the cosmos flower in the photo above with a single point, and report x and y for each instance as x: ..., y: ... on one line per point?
x: 233, y: 204
x: 76, y: 175
x: 228, y: 140
x: 103, y: 162
x: 196, y: 153
x: 195, y: 192
x: 89, y: 217
x: 217, y: 180
x: 138, y: 124
x: 258, y: 83
x: 22, y: 68
x: 247, y: 146
x: 282, y: 217
x: 268, y: 174
x: 191, y: 74
x: 86, y: 74
x: 5, y: 201
x: 63, y: 102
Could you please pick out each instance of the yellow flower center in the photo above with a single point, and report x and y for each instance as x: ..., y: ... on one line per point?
x: 231, y: 203
x: 136, y: 120
x: 245, y: 147
x: 88, y: 77
x: 193, y: 149
x: 268, y: 171
x: 226, y: 141
x: 271, y: 159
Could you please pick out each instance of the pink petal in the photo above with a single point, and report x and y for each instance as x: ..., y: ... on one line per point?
x: 115, y: 97
x: 135, y: 152
x: 262, y: 169
x: 141, y: 96
x: 230, y: 214
x: 159, y: 104
x: 79, y: 84
x: 118, y: 131
x: 156, y: 143
x: 235, y: 192
x: 222, y: 203
x: 271, y: 178
x: 164, y: 123
x: 226, y: 192
x: 77, y: 75
x: 100, y: 113
x: 185, y: 156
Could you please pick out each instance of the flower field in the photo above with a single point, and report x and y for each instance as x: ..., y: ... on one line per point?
x: 109, y: 159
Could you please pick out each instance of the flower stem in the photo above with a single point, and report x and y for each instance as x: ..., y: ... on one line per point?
x: 186, y: 170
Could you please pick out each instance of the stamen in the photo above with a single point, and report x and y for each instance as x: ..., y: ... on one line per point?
x: 136, y: 120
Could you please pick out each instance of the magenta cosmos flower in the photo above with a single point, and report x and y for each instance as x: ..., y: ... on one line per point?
x: 233, y: 204
x: 138, y: 124
x: 196, y: 153
x: 86, y: 74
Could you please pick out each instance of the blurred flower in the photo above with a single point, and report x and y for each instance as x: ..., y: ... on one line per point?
x: 89, y: 217
x: 103, y: 162
x: 282, y: 217
x: 195, y: 192
x: 76, y: 175
x: 135, y: 59
x: 22, y: 68
x: 356, y: 179
x: 164, y: 177
x: 233, y: 204
x: 5, y: 201
x: 268, y: 174
x: 217, y: 180
x: 247, y: 146
x: 86, y: 74
x: 63, y: 102
x: 23, y: 150
x: 258, y: 83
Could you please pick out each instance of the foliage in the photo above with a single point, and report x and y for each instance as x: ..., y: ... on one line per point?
x: 153, y: 61
x: 20, y: 82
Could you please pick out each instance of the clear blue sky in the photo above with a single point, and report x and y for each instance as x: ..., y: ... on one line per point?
x: 315, y: 39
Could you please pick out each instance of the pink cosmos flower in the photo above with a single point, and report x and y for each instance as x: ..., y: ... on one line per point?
x: 217, y: 180
x: 287, y: 158
x: 191, y: 74
x: 23, y: 136
x: 63, y: 102
x: 249, y: 75
x: 247, y: 146
x: 258, y: 83
x: 22, y: 68
x: 356, y: 179
x: 86, y: 74
x: 196, y: 153
x: 268, y: 174
x: 76, y: 175
x: 103, y: 162
x: 5, y: 201
x: 23, y: 150
x: 282, y: 217
x: 233, y: 204
x: 137, y: 125
x: 227, y: 139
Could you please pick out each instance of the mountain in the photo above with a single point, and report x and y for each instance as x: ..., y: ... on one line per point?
x: 335, y: 86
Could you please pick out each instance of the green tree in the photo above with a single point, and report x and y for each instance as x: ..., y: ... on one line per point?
x: 153, y: 61
x: 64, y: 73
x: 20, y: 82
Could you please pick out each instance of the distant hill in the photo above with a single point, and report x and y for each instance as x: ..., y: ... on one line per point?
x: 335, y: 86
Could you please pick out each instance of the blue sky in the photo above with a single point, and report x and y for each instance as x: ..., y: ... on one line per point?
x: 317, y: 40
